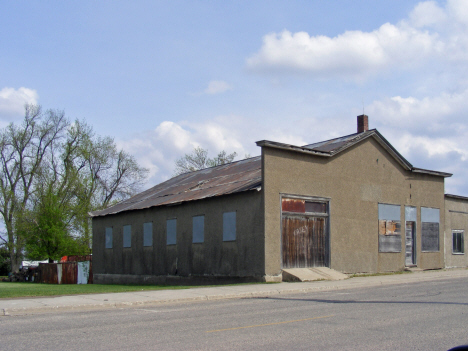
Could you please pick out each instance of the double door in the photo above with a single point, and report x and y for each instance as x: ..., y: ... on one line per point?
x: 305, y: 241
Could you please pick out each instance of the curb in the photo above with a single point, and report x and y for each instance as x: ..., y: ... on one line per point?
x: 353, y: 283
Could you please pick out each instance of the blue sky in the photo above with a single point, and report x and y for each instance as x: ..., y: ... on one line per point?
x: 164, y: 76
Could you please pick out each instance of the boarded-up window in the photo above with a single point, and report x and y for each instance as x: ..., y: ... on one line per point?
x: 198, y: 230
x: 429, y: 229
x: 109, y: 238
x: 127, y: 236
x: 171, y: 231
x: 389, y: 228
x: 148, y: 234
x: 229, y: 226
x: 458, y: 242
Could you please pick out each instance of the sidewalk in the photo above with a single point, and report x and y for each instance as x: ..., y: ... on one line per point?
x: 23, y: 306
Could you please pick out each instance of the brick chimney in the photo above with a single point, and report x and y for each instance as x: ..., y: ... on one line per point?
x: 362, y: 123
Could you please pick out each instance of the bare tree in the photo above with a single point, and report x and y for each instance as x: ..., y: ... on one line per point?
x: 22, y: 152
x: 199, y: 159
x: 81, y: 172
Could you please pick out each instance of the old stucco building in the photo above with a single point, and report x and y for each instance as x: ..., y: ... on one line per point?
x: 353, y: 204
x: 456, y: 224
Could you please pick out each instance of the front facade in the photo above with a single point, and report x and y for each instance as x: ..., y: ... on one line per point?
x: 371, y: 204
x: 353, y: 204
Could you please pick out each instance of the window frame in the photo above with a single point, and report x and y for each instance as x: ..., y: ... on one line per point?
x: 148, y: 236
x: 389, y: 216
x: 461, y: 233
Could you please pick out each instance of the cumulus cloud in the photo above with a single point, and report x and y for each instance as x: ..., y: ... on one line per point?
x: 431, y: 132
x: 430, y: 32
x: 217, y: 87
x: 160, y: 148
x: 428, y: 115
x: 352, y: 53
x: 12, y: 103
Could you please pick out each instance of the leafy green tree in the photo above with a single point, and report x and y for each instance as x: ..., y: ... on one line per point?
x: 199, y: 159
x: 47, y: 231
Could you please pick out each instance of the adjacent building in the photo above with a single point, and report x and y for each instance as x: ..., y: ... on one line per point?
x: 353, y: 204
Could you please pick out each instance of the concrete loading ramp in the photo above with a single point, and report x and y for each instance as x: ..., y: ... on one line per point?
x: 311, y: 274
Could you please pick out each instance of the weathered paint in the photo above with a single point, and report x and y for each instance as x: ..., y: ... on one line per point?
x: 456, y: 219
x: 304, y: 242
x: 214, y: 257
x: 356, y: 181
x: 66, y: 272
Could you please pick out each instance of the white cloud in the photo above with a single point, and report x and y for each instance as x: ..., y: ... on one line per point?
x: 12, y: 103
x: 350, y: 54
x: 427, y: 14
x: 430, y: 132
x: 217, y: 87
x: 159, y: 149
x: 429, y: 114
x: 429, y: 33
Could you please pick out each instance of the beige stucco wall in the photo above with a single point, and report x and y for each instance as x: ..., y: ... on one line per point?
x: 355, y: 181
x: 456, y: 218
x: 239, y: 258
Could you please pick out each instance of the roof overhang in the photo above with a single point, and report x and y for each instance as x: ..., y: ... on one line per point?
x: 359, y: 138
x: 457, y: 197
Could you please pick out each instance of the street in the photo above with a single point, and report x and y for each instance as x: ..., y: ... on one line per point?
x: 417, y: 316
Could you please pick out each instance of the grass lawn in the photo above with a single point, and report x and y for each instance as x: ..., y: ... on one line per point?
x: 9, y: 290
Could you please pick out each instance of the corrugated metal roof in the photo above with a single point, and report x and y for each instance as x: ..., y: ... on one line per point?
x: 243, y: 175
x: 334, y: 145
x: 221, y: 180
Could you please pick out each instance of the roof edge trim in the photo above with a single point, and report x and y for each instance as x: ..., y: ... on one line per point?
x: 428, y: 171
x: 289, y: 147
x: 458, y: 197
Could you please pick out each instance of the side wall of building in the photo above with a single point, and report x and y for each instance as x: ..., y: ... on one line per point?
x: 242, y: 257
x: 355, y: 182
x: 456, y: 221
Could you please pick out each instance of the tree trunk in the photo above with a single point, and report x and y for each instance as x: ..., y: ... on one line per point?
x: 15, y: 261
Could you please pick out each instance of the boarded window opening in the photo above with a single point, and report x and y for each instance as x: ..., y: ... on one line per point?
x: 109, y: 238
x: 127, y: 236
x: 229, y: 226
x: 429, y: 229
x: 198, y: 229
x: 148, y: 234
x: 171, y: 231
x: 389, y: 228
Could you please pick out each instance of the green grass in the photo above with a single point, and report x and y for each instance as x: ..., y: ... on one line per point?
x: 11, y: 290
x: 16, y: 289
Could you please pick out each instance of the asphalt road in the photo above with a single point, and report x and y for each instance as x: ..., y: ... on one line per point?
x: 416, y: 316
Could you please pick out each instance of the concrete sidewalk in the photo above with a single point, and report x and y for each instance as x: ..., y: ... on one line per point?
x: 23, y: 306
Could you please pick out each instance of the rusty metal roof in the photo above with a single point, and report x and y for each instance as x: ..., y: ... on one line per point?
x: 333, y: 146
x: 215, y: 181
x: 243, y: 175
